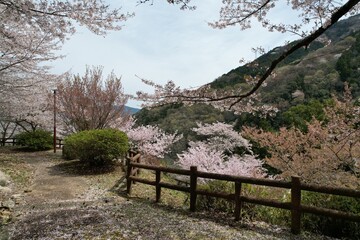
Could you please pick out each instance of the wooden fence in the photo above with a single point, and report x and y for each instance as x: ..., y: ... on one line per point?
x: 12, y: 142
x: 295, y: 186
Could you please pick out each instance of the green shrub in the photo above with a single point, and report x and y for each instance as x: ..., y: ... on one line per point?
x: 330, y: 226
x: 96, y: 147
x: 37, y: 140
x: 68, y: 153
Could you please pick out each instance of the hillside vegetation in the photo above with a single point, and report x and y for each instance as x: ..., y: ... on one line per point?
x: 316, y: 91
x: 302, y: 85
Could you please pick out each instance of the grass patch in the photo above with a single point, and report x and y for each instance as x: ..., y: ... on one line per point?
x: 168, y: 196
x: 18, y: 170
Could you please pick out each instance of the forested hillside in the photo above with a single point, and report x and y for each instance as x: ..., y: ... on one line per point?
x: 317, y: 71
x: 300, y: 88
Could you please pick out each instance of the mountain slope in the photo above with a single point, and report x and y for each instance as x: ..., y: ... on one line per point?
x: 314, y: 76
x: 132, y: 110
x: 307, y: 77
x: 313, y: 73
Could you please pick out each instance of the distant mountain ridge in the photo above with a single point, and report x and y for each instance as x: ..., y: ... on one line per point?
x: 132, y: 110
x: 343, y: 29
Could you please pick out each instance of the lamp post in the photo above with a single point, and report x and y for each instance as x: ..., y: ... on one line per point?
x: 54, y: 120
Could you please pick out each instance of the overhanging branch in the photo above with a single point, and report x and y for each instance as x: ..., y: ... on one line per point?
x: 302, y: 43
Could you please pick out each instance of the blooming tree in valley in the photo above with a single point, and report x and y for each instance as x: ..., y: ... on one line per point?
x: 151, y: 140
x: 223, y: 137
x: 328, y: 153
x: 217, y: 153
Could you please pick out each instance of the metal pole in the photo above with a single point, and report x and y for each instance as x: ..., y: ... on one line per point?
x: 54, y: 120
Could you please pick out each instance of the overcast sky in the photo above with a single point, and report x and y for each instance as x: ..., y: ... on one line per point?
x: 164, y: 43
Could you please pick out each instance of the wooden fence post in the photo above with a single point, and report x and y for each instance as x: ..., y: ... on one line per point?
x: 158, y: 188
x: 193, y: 184
x: 237, y: 200
x: 295, y: 205
x: 128, y: 174
x: 138, y: 169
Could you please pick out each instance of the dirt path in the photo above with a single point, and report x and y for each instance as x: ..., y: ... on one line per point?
x: 51, y: 185
x: 58, y: 192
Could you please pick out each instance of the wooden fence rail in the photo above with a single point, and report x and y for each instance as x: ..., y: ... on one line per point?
x: 12, y: 142
x: 295, y: 186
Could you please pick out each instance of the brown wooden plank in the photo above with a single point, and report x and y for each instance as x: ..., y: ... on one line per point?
x: 158, y: 187
x: 175, y: 187
x: 142, y: 180
x: 228, y: 196
x: 163, y: 169
x: 128, y: 174
x: 295, y: 205
x: 330, y: 190
x: 266, y: 202
x: 330, y: 213
x: 237, y: 211
x: 193, y: 186
x: 256, y: 181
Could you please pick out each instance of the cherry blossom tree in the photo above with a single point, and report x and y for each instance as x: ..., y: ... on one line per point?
x: 151, y: 140
x: 7, y: 130
x: 170, y: 93
x: 89, y: 101
x: 58, y: 18
x: 28, y: 108
x: 328, y: 153
x: 32, y: 30
x: 217, y: 153
x: 29, y: 116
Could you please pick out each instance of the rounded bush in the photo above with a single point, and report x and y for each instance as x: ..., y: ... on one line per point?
x: 68, y: 153
x: 37, y: 140
x: 96, y: 147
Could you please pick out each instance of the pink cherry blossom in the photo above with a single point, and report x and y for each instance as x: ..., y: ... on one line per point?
x: 209, y: 155
x: 151, y: 140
